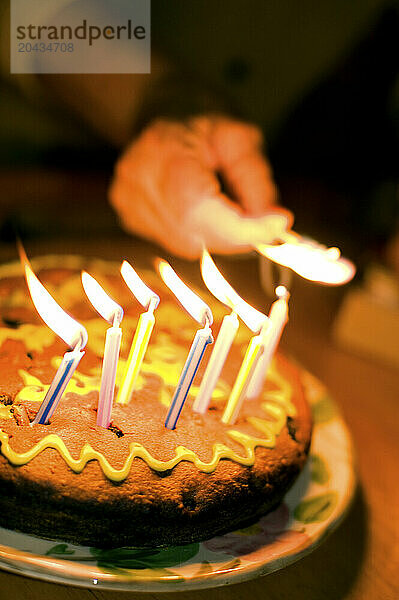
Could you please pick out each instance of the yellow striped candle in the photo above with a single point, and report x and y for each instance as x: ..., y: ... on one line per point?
x: 150, y: 301
x: 136, y: 355
x: 238, y: 393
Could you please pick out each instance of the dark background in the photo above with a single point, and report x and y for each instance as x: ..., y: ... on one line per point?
x: 321, y: 79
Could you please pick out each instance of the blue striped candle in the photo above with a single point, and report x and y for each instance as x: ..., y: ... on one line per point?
x: 203, y: 337
x: 64, y: 373
x: 72, y: 332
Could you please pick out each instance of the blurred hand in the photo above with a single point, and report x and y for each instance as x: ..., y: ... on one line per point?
x: 166, y: 188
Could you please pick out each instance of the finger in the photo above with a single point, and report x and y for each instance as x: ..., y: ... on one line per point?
x: 242, y: 164
x: 209, y: 217
x: 144, y: 210
x: 251, y: 183
x: 186, y: 181
x: 139, y: 218
x: 156, y: 181
x: 134, y: 209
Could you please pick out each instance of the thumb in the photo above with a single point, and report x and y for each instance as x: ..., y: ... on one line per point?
x: 238, y: 147
x: 221, y: 227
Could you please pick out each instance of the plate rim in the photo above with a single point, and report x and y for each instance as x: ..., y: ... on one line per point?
x: 31, y: 565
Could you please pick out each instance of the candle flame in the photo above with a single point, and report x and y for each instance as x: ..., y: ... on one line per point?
x: 312, y: 261
x: 138, y: 288
x: 69, y: 330
x: 223, y: 291
x: 104, y: 305
x: 187, y: 298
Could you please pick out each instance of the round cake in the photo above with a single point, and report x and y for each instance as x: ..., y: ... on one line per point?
x: 136, y: 483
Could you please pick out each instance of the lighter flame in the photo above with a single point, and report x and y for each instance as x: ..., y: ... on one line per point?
x: 189, y: 300
x: 311, y: 261
x: 140, y: 290
x: 69, y: 330
x: 104, y: 305
x: 222, y: 290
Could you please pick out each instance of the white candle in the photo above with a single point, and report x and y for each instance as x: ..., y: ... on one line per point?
x: 218, y: 357
x: 270, y: 338
x: 254, y: 319
x: 113, y: 313
x: 108, y: 375
x: 203, y: 337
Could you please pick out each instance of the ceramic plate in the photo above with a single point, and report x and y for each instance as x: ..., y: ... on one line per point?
x: 312, y: 508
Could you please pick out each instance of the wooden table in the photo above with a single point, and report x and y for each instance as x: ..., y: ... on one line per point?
x: 359, y: 561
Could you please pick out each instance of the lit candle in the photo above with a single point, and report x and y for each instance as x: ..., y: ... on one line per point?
x: 310, y: 259
x: 270, y: 339
x: 150, y: 301
x: 251, y: 359
x: 73, y: 334
x: 69, y: 362
x: 255, y: 320
x: 202, y: 314
x: 224, y: 340
x: 202, y: 338
x: 113, y: 313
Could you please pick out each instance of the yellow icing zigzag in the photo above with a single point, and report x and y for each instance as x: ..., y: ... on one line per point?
x: 277, y: 407
x: 136, y: 451
x: 268, y: 428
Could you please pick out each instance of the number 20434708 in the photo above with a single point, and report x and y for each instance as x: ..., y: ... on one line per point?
x: 42, y: 47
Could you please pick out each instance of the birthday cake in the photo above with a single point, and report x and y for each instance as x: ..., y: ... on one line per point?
x: 137, y: 482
